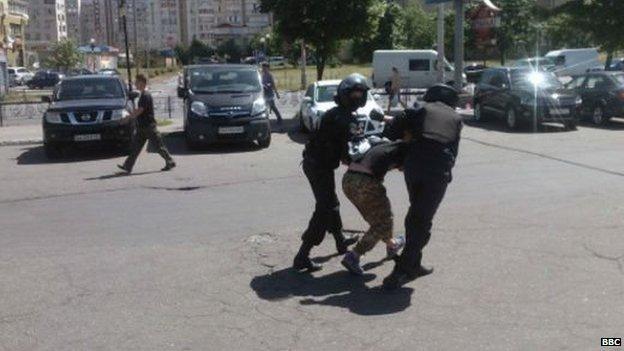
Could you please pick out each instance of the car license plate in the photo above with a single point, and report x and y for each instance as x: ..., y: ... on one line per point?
x: 87, y: 137
x: 559, y: 111
x: 231, y: 130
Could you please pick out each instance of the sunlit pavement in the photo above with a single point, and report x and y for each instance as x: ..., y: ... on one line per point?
x: 527, y: 248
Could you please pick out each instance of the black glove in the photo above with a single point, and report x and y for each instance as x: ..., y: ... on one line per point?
x: 375, y: 115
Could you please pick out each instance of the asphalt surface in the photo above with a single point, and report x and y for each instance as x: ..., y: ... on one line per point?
x: 527, y: 247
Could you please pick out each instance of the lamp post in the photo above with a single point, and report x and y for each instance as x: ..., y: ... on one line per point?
x: 92, y: 46
x: 122, y: 14
x: 263, y: 42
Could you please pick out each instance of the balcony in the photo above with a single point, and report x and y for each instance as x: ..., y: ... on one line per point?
x: 19, y: 8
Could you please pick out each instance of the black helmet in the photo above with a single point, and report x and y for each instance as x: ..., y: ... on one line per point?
x: 353, y: 82
x: 442, y: 93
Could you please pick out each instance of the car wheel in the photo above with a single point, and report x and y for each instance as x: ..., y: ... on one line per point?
x: 266, y: 142
x: 570, y: 125
x: 190, y: 143
x: 598, y: 116
x: 478, y: 113
x: 302, y: 126
x: 52, y: 151
x: 511, y: 118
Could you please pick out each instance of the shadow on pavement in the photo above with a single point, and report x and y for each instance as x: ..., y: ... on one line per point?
x: 36, y: 155
x: 339, y: 289
x: 121, y: 175
x: 499, y: 126
x: 176, y: 144
x: 614, y: 124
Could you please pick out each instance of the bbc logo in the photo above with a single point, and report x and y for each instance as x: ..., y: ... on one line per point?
x: 610, y: 341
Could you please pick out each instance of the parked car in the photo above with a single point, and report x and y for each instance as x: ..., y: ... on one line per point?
x: 224, y: 103
x: 418, y: 68
x: 88, y: 109
x: 277, y: 61
x: 536, y: 63
x: 21, y: 75
x: 79, y: 72
x: 474, y: 71
x: 12, y: 77
x: 319, y: 98
x: 523, y: 95
x: 45, y: 79
x: 617, y: 65
x: 602, y: 94
x: 570, y: 62
x: 109, y: 72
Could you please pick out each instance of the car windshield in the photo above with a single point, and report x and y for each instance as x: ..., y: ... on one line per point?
x: 326, y: 93
x: 619, y: 78
x: 533, y: 79
x: 211, y: 80
x: 90, y: 89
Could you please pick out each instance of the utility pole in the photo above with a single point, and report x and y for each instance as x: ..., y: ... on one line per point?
x: 136, y: 37
x: 122, y: 14
x: 459, y: 43
x: 440, y: 47
x: 303, y: 65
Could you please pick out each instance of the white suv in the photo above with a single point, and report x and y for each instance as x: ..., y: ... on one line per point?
x: 21, y: 74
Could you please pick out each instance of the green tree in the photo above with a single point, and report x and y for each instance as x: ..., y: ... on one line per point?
x: 64, y: 56
x: 230, y: 50
x: 517, y: 27
x: 387, y: 36
x: 199, y: 50
x: 419, y: 27
x: 323, y: 24
x: 600, y: 19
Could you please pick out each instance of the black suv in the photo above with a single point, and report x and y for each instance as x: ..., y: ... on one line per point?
x: 87, y: 109
x: 524, y: 95
x: 224, y: 103
x: 44, y: 79
x: 602, y: 93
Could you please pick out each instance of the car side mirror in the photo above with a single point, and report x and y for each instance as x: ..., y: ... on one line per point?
x: 307, y: 100
x: 182, y: 93
x: 46, y: 99
x: 133, y: 95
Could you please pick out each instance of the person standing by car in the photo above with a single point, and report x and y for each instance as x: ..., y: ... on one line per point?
x: 270, y: 91
x: 146, y: 129
x: 327, y: 147
x: 431, y: 156
x: 395, y: 90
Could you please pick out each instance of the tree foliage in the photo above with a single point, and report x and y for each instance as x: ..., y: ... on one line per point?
x: 602, y: 20
x: 191, y: 54
x: 64, y: 56
x: 517, y: 28
x: 324, y: 24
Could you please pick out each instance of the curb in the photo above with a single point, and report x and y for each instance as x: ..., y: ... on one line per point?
x: 21, y: 142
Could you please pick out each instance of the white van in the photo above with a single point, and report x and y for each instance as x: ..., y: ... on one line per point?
x: 570, y: 62
x: 417, y: 68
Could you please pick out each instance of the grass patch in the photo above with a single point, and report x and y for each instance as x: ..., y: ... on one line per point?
x: 161, y: 122
x: 18, y: 96
x: 290, y: 78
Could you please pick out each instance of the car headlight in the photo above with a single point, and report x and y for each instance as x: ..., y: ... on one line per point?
x: 119, y: 114
x: 199, y: 108
x: 259, y: 107
x: 53, y: 117
x: 579, y: 100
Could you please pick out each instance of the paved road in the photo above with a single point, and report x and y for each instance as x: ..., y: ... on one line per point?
x: 527, y: 247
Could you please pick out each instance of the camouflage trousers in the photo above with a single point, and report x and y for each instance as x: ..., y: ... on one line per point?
x: 368, y: 195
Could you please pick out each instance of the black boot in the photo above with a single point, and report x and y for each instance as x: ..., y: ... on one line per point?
x: 400, y: 277
x: 342, y: 244
x: 302, y: 261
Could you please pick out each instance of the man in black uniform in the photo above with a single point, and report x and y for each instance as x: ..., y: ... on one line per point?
x: 146, y: 130
x: 427, y: 168
x: 322, y: 155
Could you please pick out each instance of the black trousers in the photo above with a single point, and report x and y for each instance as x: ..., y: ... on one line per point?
x: 326, y: 216
x: 145, y: 133
x: 273, y: 107
x: 426, y: 192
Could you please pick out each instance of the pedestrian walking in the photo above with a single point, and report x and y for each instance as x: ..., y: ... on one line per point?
x: 428, y: 164
x: 270, y: 91
x: 363, y: 186
x: 146, y: 129
x: 395, y: 90
x: 327, y: 147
